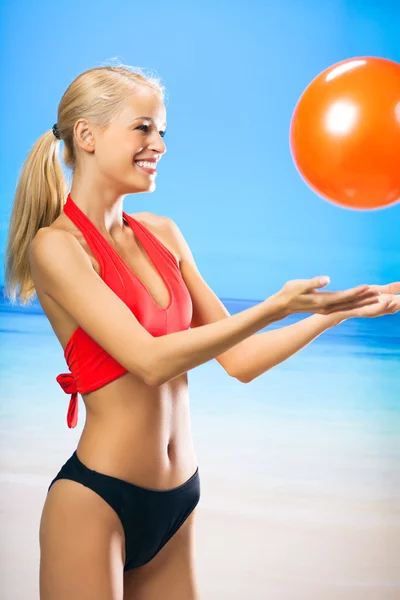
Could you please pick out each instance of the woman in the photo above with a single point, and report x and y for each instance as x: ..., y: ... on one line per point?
x: 133, y: 315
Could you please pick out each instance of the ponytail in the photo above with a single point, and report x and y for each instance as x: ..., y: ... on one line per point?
x: 38, y: 201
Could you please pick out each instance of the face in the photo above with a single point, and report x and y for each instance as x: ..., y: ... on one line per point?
x: 127, y: 152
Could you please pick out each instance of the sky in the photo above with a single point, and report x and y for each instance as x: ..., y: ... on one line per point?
x: 233, y: 72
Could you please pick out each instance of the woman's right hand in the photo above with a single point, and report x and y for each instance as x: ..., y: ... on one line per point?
x: 300, y: 296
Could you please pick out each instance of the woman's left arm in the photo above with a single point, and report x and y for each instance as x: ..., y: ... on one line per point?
x: 262, y: 351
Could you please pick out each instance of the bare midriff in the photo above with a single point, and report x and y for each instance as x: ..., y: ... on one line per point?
x: 138, y: 433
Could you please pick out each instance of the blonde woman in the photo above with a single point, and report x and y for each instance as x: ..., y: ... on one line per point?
x: 133, y: 315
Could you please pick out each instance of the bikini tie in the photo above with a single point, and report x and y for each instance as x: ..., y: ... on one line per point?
x: 68, y: 384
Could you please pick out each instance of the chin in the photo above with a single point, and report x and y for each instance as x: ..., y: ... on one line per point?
x: 152, y: 187
x: 143, y: 188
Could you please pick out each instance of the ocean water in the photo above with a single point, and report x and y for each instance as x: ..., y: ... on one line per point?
x: 301, y: 464
x: 328, y: 416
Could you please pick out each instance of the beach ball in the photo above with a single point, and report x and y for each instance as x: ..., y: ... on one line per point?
x: 345, y: 133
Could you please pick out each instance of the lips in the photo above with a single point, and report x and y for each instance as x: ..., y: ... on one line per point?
x: 152, y: 160
x: 146, y: 169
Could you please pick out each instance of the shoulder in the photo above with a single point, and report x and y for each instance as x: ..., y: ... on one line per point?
x: 54, y: 241
x: 150, y: 219
x: 62, y: 231
x: 164, y: 228
x: 46, y: 237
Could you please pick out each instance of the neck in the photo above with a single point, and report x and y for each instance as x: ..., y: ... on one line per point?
x: 106, y: 214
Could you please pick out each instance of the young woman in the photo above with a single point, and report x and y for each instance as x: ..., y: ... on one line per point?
x: 133, y: 315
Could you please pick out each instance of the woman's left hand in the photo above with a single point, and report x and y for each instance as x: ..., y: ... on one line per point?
x: 388, y: 303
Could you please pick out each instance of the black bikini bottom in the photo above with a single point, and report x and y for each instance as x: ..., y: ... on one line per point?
x: 149, y: 517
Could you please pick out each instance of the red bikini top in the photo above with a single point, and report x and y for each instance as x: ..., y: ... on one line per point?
x: 90, y: 365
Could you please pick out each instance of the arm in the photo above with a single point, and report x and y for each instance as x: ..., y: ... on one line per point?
x: 259, y: 353
x: 255, y: 354
x: 71, y: 281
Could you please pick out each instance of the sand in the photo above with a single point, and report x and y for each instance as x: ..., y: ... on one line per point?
x: 251, y: 546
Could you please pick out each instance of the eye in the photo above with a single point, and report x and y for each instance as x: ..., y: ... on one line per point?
x: 145, y: 129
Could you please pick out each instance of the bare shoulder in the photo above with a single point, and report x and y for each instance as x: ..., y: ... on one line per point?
x: 47, y: 236
x: 164, y: 228
x: 54, y: 241
x: 150, y: 219
x: 57, y: 233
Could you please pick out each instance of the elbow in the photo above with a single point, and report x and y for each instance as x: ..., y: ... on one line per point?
x: 245, y: 376
x: 234, y: 367
x: 146, y: 373
x: 248, y: 377
x: 156, y: 374
x: 236, y: 373
x: 241, y: 376
x: 153, y: 380
x: 153, y: 375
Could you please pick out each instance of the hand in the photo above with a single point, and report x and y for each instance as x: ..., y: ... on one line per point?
x: 300, y: 295
x: 388, y: 303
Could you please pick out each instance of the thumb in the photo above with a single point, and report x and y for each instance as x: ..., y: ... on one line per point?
x: 317, y: 282
x: 394, y: 288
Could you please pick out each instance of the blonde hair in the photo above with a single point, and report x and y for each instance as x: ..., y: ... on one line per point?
x: 97, y: 95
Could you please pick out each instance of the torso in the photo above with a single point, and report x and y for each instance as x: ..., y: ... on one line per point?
x: 132, y: 431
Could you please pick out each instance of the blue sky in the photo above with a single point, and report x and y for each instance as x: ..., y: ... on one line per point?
x: 234, y: 72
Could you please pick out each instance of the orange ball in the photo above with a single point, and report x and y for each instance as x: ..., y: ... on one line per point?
x: 345, y: 133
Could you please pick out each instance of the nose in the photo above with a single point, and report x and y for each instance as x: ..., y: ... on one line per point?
x: 157, y: 144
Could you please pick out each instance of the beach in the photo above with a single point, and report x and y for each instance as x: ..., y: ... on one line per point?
x: 300, y: 486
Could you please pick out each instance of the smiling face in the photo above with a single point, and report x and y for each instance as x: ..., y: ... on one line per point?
x: 127, y: 151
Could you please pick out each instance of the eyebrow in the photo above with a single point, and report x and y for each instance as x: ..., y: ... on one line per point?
x: 147, y: 119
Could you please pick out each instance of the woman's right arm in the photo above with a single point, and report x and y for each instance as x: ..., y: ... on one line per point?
x: 63, y: 270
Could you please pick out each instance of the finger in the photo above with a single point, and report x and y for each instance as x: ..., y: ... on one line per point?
x: 352, y: 295
x: 394, y: 288
x: 389, y: 307
x: 316, y: 283
x: 389, y: 288
x: 355, y: 304
x: 356, y: 291
x: 364, y: 290
x: 368, y: 293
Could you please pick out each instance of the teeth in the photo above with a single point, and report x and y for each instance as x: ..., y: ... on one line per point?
x: 144, y: 163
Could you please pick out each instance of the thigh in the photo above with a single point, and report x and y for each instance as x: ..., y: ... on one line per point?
x: 171, y: 574
x: 82, y: 549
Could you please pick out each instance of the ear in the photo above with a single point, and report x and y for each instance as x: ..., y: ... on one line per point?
x: 84, y: 136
